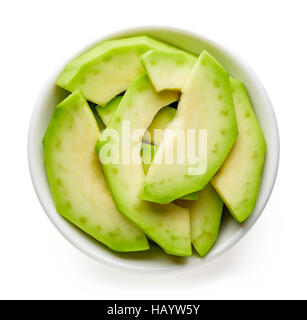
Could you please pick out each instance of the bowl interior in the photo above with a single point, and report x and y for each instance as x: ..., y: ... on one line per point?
x: 156, y: 259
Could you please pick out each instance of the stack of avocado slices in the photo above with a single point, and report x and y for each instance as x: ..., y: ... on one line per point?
x: 155, y: 86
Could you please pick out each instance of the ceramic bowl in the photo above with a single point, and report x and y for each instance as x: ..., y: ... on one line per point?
x: 155, y: 259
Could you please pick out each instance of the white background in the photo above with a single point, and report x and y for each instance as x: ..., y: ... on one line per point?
x: 37, y: 262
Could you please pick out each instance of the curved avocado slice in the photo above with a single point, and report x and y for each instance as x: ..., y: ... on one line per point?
x: 148, y: 153
x: 206, y: 104
x: 168, y: 70
x: 238, y: 180
x: 152, y: 135
x: 76, y: 180
x: 206, y: 214
x: 108, y: 69
x: 169, y: 225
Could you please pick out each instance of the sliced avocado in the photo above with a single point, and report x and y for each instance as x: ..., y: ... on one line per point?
x: 107, y: 112
x: 152, y: 135
x: 206, y: 214
x: 76, y: 180
x: 238, y: 180
x: 168, y: 70
x: 107, y: 69
x: 206, y: 104
x: 240, y: 199
x: 169, y: 225
x: 148, y: 152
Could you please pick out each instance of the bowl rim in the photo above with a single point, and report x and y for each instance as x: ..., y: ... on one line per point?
x: 109, y: 261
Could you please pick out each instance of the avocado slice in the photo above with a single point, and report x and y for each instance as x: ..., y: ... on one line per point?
x: 206, y: 103
x: 108, y: 69
x: 206, y: 214
x: 76, y: 180
x: 148, y: 152
x: 238, y: 180
x: 169, y: 225
x: 152, y: 135
x: 168, y: 70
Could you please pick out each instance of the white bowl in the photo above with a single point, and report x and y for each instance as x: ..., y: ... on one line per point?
x: 155, y: 259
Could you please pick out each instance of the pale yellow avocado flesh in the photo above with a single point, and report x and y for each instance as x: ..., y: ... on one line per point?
x: 206, y: 214
x: 148, y: 152
x: 168, y: 70
x: 238, y: 180
x: 154, y: 134
x: 167, y: 225
x: 106, y: 70
x: 76, y: 179
x: 206, y: 103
